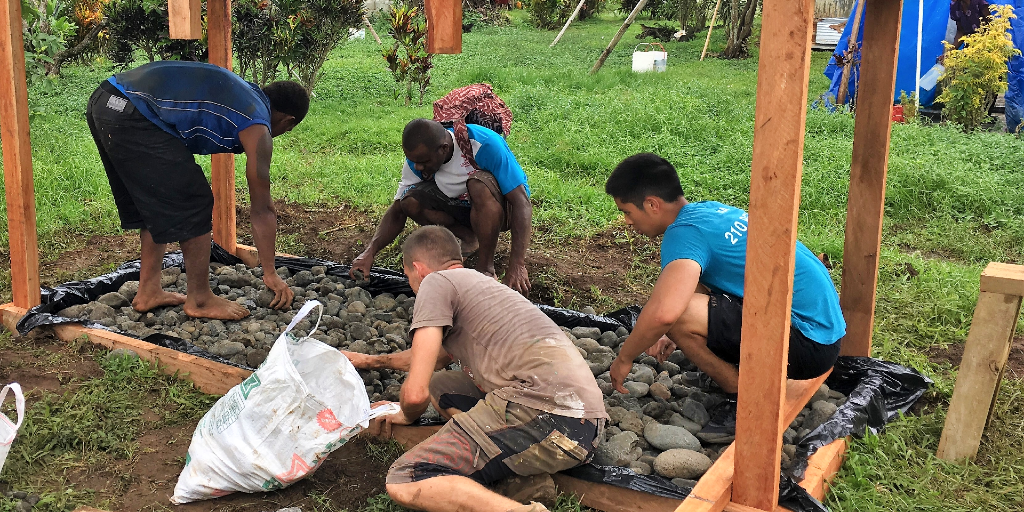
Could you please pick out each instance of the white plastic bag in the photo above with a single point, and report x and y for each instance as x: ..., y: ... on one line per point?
x: 9, y: 429
x: 302, y: 403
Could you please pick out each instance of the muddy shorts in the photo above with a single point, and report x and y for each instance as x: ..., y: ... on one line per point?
x: 493, y: 439
x: 808, y: 359
x: 153, y: 176
x: 431, y: 197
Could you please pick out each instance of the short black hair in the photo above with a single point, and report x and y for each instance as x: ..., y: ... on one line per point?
x: 288, y: 97
x: 433, y: 245
x: 641, y: 176
x: 426, y: 132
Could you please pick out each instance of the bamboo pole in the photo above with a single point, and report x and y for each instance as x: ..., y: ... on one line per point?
x: 372, y: 31
x: 579, y: 6
x: 618, y: 35
x: 707, y: 41
x: 851, y: 51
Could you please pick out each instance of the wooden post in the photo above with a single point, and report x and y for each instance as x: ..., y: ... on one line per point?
x: 844, y: 84
x: 579, y: 6
x: 222, y: 166
x: 868, y: 167
x: 17, y: 158
x: 185, y: 19
x: 618, y: 35
x: 711, y: 26
x: 985, y: 354
x: 779, y: 118
x: 444, y: 26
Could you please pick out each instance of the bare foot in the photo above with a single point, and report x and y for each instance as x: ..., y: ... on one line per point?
x: 215, y: 307
x: 144, y: 301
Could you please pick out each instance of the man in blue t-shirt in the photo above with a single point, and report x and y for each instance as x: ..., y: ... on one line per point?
x: 147, y: 124
x: 441, y: 186
x: 698, y: 298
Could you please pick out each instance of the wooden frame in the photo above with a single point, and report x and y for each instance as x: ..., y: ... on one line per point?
x: 985, y: 355
x: 775, y: 194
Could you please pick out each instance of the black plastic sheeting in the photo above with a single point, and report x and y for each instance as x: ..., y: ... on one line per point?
x: 878, y: 391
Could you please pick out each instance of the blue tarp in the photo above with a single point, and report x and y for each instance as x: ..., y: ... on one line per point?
x: 936, y: 20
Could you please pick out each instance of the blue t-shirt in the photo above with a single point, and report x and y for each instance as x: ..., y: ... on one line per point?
x: 715, y: 236
x: 202, y: 104
x: 491, y: 153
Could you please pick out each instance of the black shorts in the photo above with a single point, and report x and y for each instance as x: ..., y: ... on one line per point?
x: 156, y: 182
x: 807, y: 358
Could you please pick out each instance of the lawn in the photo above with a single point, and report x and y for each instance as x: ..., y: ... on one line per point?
x: 954, y: 201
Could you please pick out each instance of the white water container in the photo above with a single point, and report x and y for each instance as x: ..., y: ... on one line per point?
x: 9, y: 429
x: 930, y: 78
x: 649, y: 59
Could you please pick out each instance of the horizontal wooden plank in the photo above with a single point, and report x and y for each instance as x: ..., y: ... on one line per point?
x: 822, y: 467
x: 250, y: 256
x: 610, y: 498
x: 1003, y: 278
x: 209, y: 376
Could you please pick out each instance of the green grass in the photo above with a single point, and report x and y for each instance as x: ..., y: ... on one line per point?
x: 954, y: 201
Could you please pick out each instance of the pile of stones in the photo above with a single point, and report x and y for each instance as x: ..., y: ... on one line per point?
x: 662, y: 426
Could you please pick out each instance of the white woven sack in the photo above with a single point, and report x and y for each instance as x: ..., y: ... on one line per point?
x: 302, y: 403
x: 8, y: 428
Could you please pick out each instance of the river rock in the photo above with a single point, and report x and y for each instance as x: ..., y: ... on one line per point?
x: 228, y: 349
x: 820, y: 411
x: 619, y: 450
x: 129, y: 289
x: 668, y: 437
x: 643, y: 373
x: 76, y: 311
x: 640, y: 468
x: 636, y: 389
x: 632, y: 424
x: 659, y: 390
x: 695, y: 411
x: 681, y: 463
x: 586, y: 332
x: 101, y: 312
x: 600, y: 362
x: 255, y: 357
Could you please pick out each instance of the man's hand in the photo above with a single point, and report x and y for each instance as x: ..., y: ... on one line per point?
x: 362, y: 264
x: 517, y: 279
x: 360, y: 361
x: 283, y: 295
x: 381, y: 426
x: 619, y: 370
x: 662, y: 349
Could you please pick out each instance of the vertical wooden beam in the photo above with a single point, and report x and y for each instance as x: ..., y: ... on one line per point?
x: 444, y: 26
x: 222, y: 166
x: 779, y: 119
x: 977, y: 383
x: 185, y: 19
x: 17, y: 158
x: 866, y: 200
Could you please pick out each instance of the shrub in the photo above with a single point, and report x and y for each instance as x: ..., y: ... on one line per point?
x: 407, y: 58
x: 977, y: 74
x: 552, y: 14
x: 46, y: 31
x: 297, y: 35
x: 141, y: 25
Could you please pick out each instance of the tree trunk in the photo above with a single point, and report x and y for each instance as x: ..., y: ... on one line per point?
x: 53, y: 68
x: 740, y: 28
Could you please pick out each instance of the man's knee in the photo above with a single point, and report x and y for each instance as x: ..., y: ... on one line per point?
x: 482, y: 199
x: 403, y: 494
x: 410, y: 206
x: 692, y: 326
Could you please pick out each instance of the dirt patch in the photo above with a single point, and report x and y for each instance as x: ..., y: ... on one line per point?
x: 43, y: 363
x: 99, y: 254
x: 954, y: 353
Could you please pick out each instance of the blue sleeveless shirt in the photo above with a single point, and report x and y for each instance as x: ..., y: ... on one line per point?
x: 203, y: 105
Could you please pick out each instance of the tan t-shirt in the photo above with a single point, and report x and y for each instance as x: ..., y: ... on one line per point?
x: 507, y: 345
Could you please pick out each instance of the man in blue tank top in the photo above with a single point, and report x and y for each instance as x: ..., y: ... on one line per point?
x: 147, y: 124
x: 697, y: 302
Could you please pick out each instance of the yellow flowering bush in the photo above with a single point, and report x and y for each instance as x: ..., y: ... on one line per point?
x: 976, y: 74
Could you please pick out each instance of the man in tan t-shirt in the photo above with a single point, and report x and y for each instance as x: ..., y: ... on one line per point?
x: 525, y: 402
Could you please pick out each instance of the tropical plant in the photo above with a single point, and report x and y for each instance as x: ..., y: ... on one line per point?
x: 552, y: 14
x: 319, y: 27
x: 976, y: 74
x: 46, y: 30
x: 407, y: 58
x: 741, y: 26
